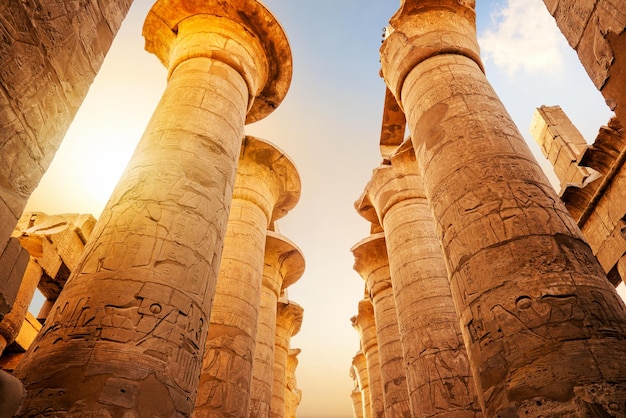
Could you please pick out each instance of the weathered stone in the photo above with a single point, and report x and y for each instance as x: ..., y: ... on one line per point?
x: 365, y: 324
x: 372, y: 263
x: 535, y: 306
x: 439, y: 380
x: 293, y: 395
x: 359, y: 366
x: 127, y: 333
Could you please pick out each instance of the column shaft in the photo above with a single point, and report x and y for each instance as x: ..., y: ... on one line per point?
x: 536, y: 310
x: 360, y: 365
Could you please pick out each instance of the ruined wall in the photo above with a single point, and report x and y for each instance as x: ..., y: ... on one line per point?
x: 50, y: 52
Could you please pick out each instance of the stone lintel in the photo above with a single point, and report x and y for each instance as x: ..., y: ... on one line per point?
x: 372, y: 263
x: 259, y: 31
x: 266, y: 173
x: 421, y: 29
x: 285, y: 257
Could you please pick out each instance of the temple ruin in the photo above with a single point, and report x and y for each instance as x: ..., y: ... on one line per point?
x: 486, y: 292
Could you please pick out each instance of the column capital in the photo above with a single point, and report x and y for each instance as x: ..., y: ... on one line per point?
x: 289, y: 315
x: 365, y: 324
x: 285, y: 257
x: 242, y: 33
x: 421, y: 29
x: 372, y: 263
x: 394, y: 181
x: 267, y: 177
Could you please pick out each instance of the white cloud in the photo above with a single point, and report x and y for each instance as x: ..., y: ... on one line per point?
x: 523, y: 36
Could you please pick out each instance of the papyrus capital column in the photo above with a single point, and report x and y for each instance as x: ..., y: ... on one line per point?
x: 372, y: 263
x: 267, y: 186
x: 438, y: 376
x: 535, y: 307
x: 365, y: 324
x: 127, y: 334
x: 289, y: 317
x: 283, y: 266
x: 359, y: 366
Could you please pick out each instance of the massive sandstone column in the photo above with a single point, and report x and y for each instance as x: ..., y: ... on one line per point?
x: 293, y: 395
x: 544, y: 329
x: 359, y: 366
x: 438, y: 375
x: 365, y: 325
x: 288, y: 322
x: 127, y: 334
x: 267, y: 186
x: 283, y: 266
x: 371, y: 262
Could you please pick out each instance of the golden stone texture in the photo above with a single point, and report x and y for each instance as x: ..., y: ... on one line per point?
x: 439, y: 380
x: 127, y: 333
x: 267, y: 186
x: 535, y: 307
x: 372, y: 263
x: 359, y: 367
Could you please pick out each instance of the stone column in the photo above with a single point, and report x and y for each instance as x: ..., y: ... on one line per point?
x: 357, y: 403
x: 439, y: 379
x: 372, y: 263
x: 288, y: 323
x: 365, y: 325
x: 127, y: 334
x: 267, y: 186
x: 536, y: 309
x: 293, y: 395
x: 359, y: 365
x: 284, y: 265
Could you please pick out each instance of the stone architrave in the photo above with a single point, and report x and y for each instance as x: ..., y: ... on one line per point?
x: 365, y: 325
x: 284, y: 265
x: 293, y: 395
x: 535, y: 306
x: 439, y: 378
x: 127, y: 334
x: 359, y: 365
x: 596, y: 29
x: 49, y: 55
x: 267, y: 186
x: 372, y: 263
x: 289, y: 317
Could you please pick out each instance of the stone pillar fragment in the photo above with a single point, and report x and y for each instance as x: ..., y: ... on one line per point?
x: 127, y: 334
x: 288, y: 323
x: 283, y: 266
x: 596, y: 29
x: 438, y: 375
x: 359, y: 365
x: 535, y: 306
x: 49, y: 56
x: 267, y: 186
x: 357, y: 394
x: 365, y: 325
x: 372, y: 263
x: 293, y: 395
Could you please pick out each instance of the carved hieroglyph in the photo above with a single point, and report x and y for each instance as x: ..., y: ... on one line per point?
x: 372, y: 263
x: 438, y: 375
x: 289, y: 317
x: 50, y: 53
x: 364, y: 323
x: 543, y: 327
x: 283, y: 266
x: 359, y: 366
x: 127, y: 334
x: 267, y: 186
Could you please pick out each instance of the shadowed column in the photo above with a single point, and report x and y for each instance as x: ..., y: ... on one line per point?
x: 288, y: 323
x: 371, y: 262
x: 359, y: 365
x: 267, y: 186
x: 284, y: 265
x: 127, y: 334
x: 438, y: 375
x: 365, y: 325
x: 543, y: 327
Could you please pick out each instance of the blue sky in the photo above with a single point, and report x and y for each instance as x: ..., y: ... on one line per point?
x: 329, y: 124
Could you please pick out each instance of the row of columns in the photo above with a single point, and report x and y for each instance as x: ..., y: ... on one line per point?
x: 501, y: 309
x: 175, y: 304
